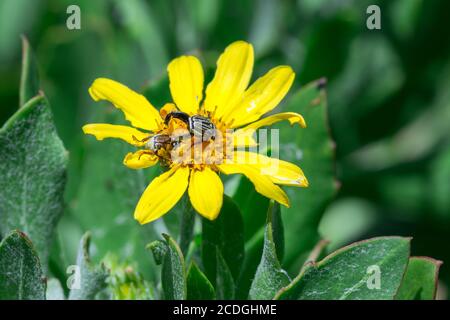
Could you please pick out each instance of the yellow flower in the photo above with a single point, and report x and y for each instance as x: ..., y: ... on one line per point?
x: 229, y: 104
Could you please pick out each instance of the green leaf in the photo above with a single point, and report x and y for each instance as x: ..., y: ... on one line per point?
x: 254, y: 249
x: 269, y: 277
x: 54, y: 290
x: 29, y: 78
x: 253, y: 252
x: 32, y: 175
x: 198, y: 285
x: 313, y: 150
x: 158, y: 249
x: 277, y: 229
x: 173, y: 273
x: 186, y: 233
x: 21, y: 275
x: 225, y: 288
x: 252, y: 205
x: 225, y: 234
x: 351, y: 272
x: 92, y: 278
x: 421, y: 279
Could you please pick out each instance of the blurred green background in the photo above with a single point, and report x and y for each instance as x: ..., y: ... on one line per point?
x: 388, y: 96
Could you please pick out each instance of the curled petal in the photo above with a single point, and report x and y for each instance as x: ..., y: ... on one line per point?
x: 262, y: 183
x: 186, y: 83
x: 244, y: 136
x: 136, y: 107
x: 278, y: 171
x: 140, y: 159
x: 206, y: 192
x: 128, y: 134
x: 244, y: 139
x: 162, y: 194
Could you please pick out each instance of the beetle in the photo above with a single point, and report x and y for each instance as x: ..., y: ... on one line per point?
x: 158, y: 142
x: 197, y: 125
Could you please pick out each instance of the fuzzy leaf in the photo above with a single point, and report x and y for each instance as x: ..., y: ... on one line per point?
x: 225, y: 234
x: 254, y: 250
x: 32, y: 175
x: 198, y: 285
x: 21, y: 276
x: 92, y: 277
x: 173, y: 273
x: 277, y: 229
x: 186, y: 225
x: 350, y: 273
x: 251, y: 204
x: 54, y: 290
x: 225, y: 288
x: 269, y: 277
x: 158, y: 249
x: 420, y: 281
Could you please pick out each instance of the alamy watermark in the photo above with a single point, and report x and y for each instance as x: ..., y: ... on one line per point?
x: 373, y: 21
x: 374, y: 279
x: 74, y: 280
x: 73, y: 21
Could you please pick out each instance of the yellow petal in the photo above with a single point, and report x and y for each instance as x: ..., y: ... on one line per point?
x: 135, y: 106
x: 234, y: 70
x: 186, y: 83
x: 206, y: 192
x: 103, y: 130
x: 262, y: 96
x: 140, y: 159
x: 243, y: 139
x: 278, y: 171
x: 162, y: 194
x: 244, y: 136
x: 263, y: 183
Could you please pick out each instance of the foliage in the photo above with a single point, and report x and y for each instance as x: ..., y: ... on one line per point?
x: 33, y: 172
x: 375, y: 151
x: 21, y: 274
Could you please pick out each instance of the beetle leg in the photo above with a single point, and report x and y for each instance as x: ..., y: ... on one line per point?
x: 141, y: 141
x: 148, y: 152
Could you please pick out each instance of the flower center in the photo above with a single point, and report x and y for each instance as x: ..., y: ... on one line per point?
x: 196, y: 142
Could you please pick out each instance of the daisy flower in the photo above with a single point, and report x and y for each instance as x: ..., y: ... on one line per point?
x: 202, y: 133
